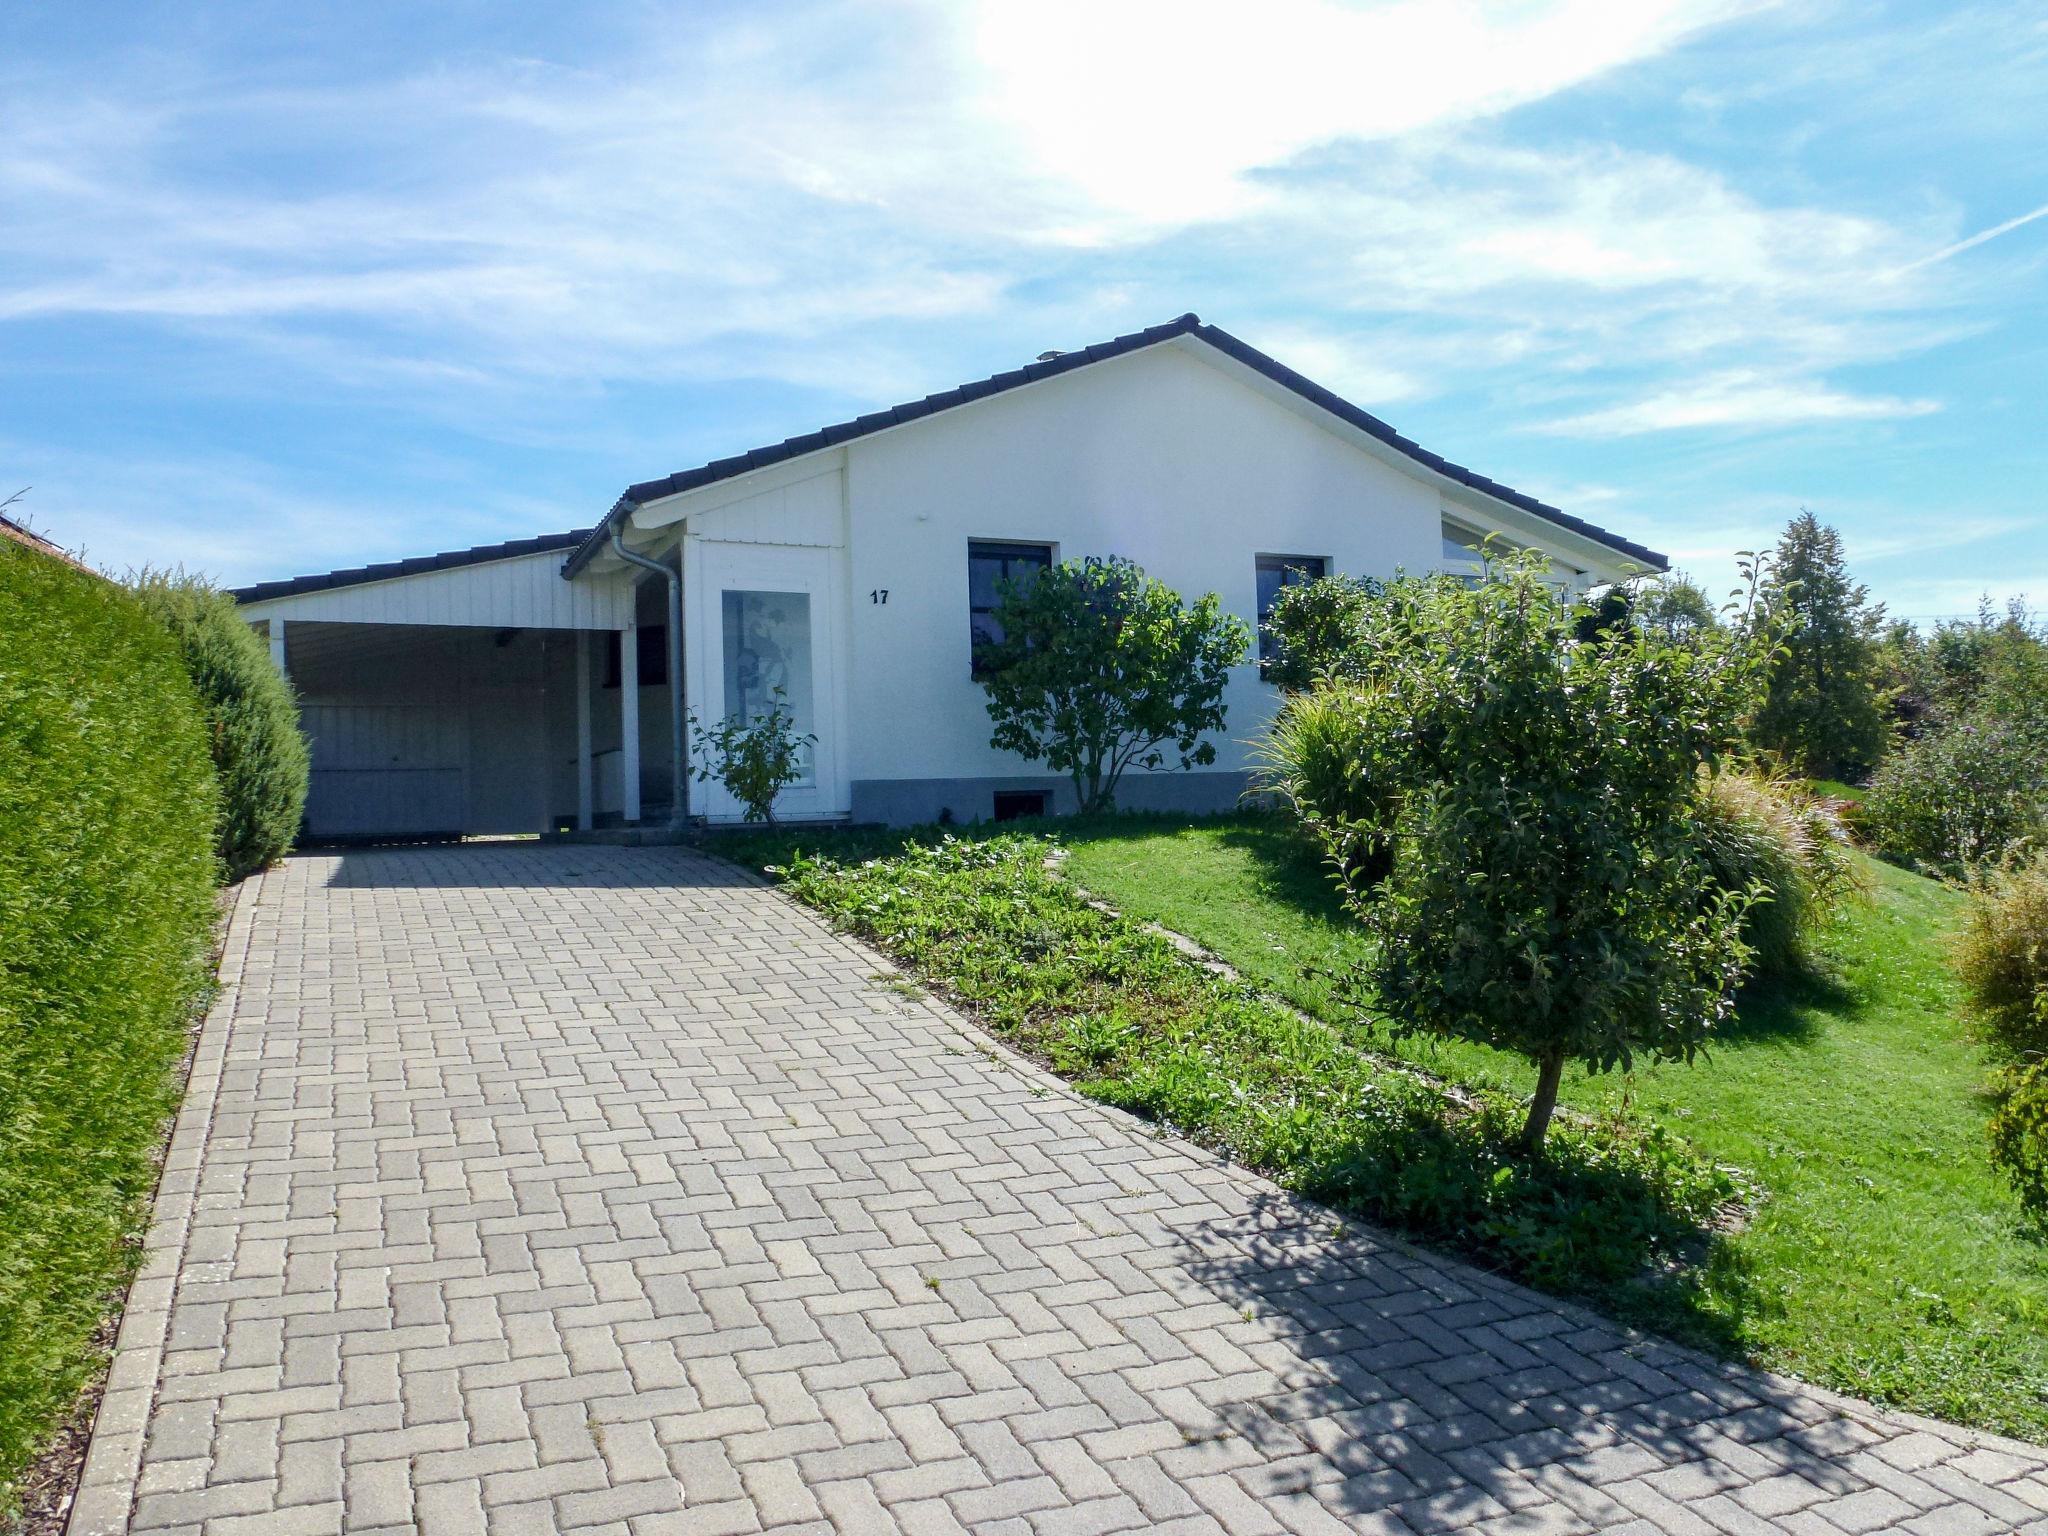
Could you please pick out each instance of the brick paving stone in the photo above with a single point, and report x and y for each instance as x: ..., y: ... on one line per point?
x: 535, y: 1188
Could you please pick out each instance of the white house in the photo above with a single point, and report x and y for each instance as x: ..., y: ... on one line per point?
x: 532, y: 686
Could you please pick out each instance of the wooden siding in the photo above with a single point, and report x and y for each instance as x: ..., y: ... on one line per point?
x: 806, y: 513
x: 526, y: 592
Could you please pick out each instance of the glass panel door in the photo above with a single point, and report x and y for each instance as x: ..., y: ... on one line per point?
x: 767, y: 659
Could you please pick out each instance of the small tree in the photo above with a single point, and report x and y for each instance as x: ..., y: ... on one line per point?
x: 251, y: 714
x: 1539, y: 793
x: 1676, y: 608
x: 755, y: 759
x: 1101, y: 668
x: 1825, y: 710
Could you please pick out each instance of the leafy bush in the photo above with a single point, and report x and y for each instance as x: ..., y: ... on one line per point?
x: 1120, y: 1010
x: 107, y: 818
x: 1539, y: 793
x: 1318, y: 628
x: 252, y: 719
x: 1101, y: 668
x: 2019, y: 1137
x: 1960, y: 796
x: 756, y: 760
x: 1676, y: 608
x: 2002, y: 955
x: 1771, y: 837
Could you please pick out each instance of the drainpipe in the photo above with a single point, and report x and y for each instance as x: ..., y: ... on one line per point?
x: 679, y: 797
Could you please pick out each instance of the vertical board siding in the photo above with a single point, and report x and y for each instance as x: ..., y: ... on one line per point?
x: 805, y: 513
x: 527, y: 592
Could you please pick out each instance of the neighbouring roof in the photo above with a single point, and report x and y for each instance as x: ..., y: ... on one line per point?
x: 1051, y: 367
x: 24, y: 535
x: 511, y: 549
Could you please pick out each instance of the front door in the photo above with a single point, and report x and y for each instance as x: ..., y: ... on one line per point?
x: 770, y: 620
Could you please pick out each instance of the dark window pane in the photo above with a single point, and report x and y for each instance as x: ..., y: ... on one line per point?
x: 1276, y: 573
x: 652, y: 650
x: 989, y: 564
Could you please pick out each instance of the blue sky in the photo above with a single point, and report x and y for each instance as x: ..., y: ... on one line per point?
x: 287, y: 287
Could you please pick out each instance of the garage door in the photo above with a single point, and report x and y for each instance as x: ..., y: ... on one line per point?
x: 386, y: 770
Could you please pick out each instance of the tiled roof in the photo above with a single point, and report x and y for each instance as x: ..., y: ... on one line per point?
x: 1031, y: 373
x: 583, y: 543
x: 294, y: 585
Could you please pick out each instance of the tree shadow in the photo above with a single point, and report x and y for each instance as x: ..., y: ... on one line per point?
x: 1425, y: 1389
x: 1787, y: 1008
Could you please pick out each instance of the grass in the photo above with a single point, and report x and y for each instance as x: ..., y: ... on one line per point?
x: 1884, y: 1259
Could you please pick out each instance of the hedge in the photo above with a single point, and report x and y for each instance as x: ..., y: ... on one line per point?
x: 252, y: 721
x: 107, y: 880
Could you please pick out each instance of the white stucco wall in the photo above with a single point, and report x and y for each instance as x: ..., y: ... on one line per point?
x: 1177, y: 457
x: 1157, y: 456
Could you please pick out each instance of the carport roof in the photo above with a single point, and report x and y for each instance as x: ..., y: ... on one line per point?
x: 511, y: 549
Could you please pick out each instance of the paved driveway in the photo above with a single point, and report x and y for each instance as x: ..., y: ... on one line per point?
x: 531, y: 1189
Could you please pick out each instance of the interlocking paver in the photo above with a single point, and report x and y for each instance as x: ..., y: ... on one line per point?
x: 559, y: 1188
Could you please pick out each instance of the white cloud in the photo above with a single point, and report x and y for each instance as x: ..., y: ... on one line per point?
x: 825, y: 197
x: 743, y: 179
x: 1152, y: 114
x: 1736, y: 398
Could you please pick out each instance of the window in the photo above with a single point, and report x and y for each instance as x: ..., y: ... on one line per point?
x: 988, y: 565
x: 653, y: 652
x: 767, y: 661
x: 1016, y: 804
x: 1461, y: 548
x: 1276, y: 573
x: 1466, y: 552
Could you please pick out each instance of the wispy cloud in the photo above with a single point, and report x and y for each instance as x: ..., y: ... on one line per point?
x: 862, y: 203
x: 1737, y: 398
x: 727, y: 184
x: 1977, y: 239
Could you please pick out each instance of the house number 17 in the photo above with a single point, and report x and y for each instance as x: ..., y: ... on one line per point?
x: 879, y: 597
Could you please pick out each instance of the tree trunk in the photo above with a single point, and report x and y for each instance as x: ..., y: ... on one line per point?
x: 1549, y: 1072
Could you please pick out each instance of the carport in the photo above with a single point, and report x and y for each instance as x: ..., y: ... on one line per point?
x: 475, y: 693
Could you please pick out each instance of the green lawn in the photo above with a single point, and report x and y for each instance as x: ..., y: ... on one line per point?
x: 1835, y: 789
x: 1884, y: 1259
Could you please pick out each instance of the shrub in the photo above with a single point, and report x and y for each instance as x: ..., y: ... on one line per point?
x: 1101, y: 668
x: 2002, y: 955
x: 1318, y: 759
x: 1963, y: 795
x: 107, y: 817
x: 2019, y: 1138
x: 1318, y: 629
x: 1771, y: 837
x: 1541, y: 795
x: 252, y: 719
x: 756, y: 760
x: 1676, y: 608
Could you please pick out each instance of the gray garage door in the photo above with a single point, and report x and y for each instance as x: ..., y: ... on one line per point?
x: 386, y: 770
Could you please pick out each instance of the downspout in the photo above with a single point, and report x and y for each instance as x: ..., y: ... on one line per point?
x: 679, y: 796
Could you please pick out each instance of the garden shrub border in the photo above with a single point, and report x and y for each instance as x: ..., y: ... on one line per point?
x: 108, y: 898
